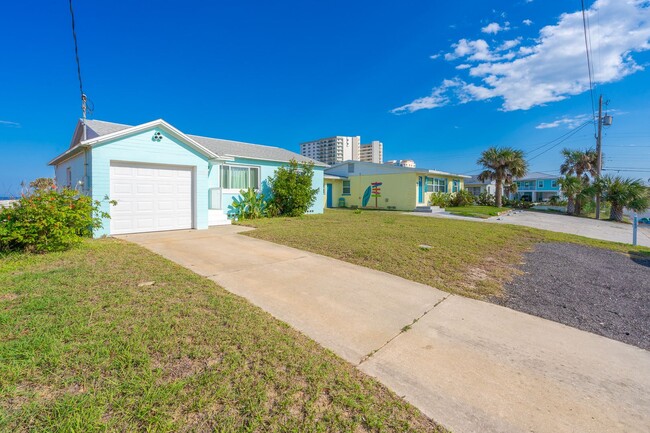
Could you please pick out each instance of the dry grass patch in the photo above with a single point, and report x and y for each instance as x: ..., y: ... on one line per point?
x: 469, y: 258
x: 85, y: 347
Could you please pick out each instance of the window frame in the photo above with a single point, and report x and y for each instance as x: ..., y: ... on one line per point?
x: 68, y: 177
x: 540, y: 184
x: 227, y: 188
x: 349, y: 188
x: 433, y: 184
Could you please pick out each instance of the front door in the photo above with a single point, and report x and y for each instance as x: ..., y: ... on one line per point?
x: 329, y: 194
x: 420, y: 190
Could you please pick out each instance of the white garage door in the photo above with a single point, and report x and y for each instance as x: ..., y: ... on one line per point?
x: 150, y: 198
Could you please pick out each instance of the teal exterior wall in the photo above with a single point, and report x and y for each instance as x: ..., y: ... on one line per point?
x: 267, y: 169
x: 141, y: 148
x: 534, y: 185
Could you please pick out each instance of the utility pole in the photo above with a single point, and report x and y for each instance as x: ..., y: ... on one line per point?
x: 599, y: 151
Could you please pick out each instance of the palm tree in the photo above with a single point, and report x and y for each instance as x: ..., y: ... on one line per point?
x: 623, y: 193
x: 502, y: 164
x: 571, y: 187
x: 579, y: 163
x: 582, y: 165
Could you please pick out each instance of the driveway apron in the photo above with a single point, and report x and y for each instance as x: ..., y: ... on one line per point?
x: 469, y: 365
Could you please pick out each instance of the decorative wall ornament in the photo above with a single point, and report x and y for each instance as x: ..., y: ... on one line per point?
x: 157, y: 137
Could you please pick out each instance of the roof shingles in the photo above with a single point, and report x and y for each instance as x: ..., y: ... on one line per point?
x: 219, y: 146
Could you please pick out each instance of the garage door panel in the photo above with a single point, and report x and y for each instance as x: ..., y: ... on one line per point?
x: 150, y: 198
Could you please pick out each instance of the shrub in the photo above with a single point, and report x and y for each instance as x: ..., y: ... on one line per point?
x: 291, y: 188
x: 49, y: 220
x: 249, y: 205
x: 486, y: 199
x: 462, y: 198
x: 521, y: 204
x: 442, y: 199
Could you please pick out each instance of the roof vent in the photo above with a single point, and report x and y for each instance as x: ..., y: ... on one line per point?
x: 157, y: 137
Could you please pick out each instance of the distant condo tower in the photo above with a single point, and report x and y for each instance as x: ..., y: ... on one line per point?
x: 402, y: 162
x: 332, y: 150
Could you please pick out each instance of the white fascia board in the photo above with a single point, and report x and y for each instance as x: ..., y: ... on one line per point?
x: 143, y: 127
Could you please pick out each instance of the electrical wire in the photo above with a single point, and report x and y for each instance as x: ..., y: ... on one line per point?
x: 76, y: 51
x: 575, y: 131
x: 589, y: 62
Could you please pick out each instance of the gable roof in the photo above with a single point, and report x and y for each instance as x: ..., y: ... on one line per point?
x: 374, y: 168
x: 537, y: 175
x: 474, y: 181
x: 99, y: 131
x: 252, y: 151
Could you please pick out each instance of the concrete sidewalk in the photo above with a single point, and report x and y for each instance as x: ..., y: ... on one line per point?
x: 469, y: 365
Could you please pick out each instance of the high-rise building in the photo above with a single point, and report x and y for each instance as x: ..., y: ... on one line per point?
x: 332, y: 150
x: 372, y: 152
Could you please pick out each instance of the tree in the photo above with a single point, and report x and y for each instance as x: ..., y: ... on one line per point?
x: 502, y: 165
x: 623, y: 193
x: 42, y: 183
x: 582, y: 165
x: 579, y: 163
x: 291, y: 188
x: 571, y: 187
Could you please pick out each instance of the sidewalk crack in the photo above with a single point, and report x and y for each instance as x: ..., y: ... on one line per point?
x: 403, y: 330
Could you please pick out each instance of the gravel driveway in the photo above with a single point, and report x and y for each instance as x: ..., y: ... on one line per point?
x: 592, y: 289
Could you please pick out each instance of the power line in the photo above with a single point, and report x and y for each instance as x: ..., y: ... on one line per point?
x: 76, y: 51
x: 575, y: 131
x: 589, y: 62
x: 569, y: 133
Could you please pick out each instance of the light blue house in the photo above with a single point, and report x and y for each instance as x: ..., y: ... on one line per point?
x: 164, y: 179
x: 537, y: 187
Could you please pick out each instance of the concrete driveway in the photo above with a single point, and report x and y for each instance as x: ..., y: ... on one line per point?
x: 470, y: 365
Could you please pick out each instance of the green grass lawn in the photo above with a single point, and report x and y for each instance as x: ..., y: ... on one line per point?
x: 475, y: 211
x: 85, y: 347
x: 469, y: 258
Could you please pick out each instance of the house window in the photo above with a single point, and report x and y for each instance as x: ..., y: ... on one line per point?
x: 455, y: 186
x: 346, y: 187
x: 554, y: 184
x: 240, y: 177
x: 68, y: 177
x: 435, y: 185
x: 540, y: 184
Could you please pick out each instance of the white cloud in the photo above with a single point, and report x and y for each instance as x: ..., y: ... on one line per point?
x: 435, y: 56
x: 553, y: 66
x: 494, y: 28
x: 568, y: 121
x: 438, y: 98
x: 9, y: 124
x: 527, y: 22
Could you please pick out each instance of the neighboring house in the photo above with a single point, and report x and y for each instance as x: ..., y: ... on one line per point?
x: 365, y: 184
x: 478, y: 187
x: 164, y: 179
x: 537, y: 187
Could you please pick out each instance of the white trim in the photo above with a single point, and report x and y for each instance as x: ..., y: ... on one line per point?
x: 236, y: 190
x: 135, y: 129
x: 193, y: 192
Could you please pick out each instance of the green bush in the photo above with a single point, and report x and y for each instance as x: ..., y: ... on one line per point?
x: 291, y: 189
x: 49, y: 220
x: 249, y: 205
x: 486, y: 199
x: 442, y: 199
x: 462, y: 198
x: 520, y: 204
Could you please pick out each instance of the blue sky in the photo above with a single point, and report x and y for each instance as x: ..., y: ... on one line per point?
x: 436, y: 82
